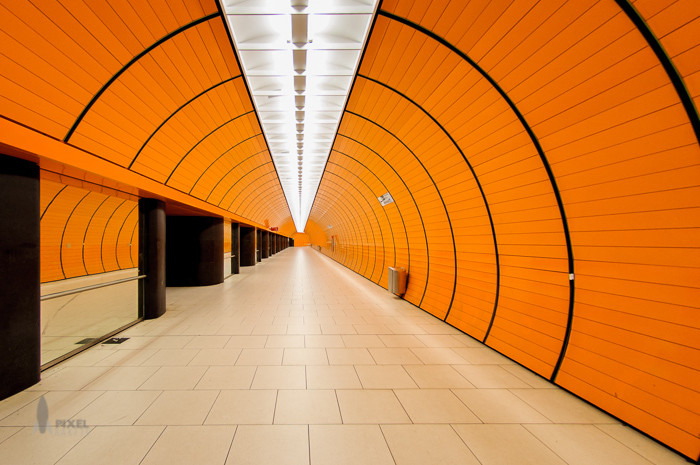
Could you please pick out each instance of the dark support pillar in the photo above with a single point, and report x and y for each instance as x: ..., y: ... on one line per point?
x: 235, y: 248
x: 291, y: 242
x: 194, y: 253
x: 247, y: 246
x: 20, y: 340
x: 152, y: 258
x: 265, y: 244
x: 258, y: 245
x: 273, y: 243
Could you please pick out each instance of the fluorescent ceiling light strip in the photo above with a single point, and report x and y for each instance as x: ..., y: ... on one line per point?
x: 299, y: 58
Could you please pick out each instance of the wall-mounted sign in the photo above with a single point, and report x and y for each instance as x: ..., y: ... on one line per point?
x: 385, y: 199
x: 274, y: 228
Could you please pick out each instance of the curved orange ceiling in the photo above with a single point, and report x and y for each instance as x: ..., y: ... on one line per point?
x: 152, y: 87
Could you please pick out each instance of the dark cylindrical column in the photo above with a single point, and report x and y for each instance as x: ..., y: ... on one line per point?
x: 273, y: 243
x: 194, y: 252
x: 152, y: 258
x: 20, y: 339
x: 258, y: 245
x: 247, y: 246
x: 265, y: 244
x: 235, y: 248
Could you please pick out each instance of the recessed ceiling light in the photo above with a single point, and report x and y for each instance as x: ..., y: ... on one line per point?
x: 299, y: 61
x: 300, y: 29
x: 299, y: 84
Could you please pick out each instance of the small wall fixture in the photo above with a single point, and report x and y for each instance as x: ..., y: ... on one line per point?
x: 385, y: 199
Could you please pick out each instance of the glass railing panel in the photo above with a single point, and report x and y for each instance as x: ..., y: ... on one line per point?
x: 73, y: 317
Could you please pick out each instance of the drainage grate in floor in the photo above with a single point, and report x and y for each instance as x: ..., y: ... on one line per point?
x: 116, y: 340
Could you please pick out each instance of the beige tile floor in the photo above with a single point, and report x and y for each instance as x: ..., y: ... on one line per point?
x: 300, y: 361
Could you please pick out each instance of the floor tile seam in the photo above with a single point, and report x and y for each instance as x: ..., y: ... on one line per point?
x: 439, y: 365
x: 369, y: 351
x: 154, y: 443
x: 597, y: 426
x: 252, y: 379
x: 240, y: 351
x: 403, y: 407
x: 337, y: 402
x: 92, y: 428
x: 451, y: 391
x: 211, y: 407
x: 452, y: 426
x: 386, y: 442
x: 19, y: 428
x: 512, y: 391
x: 531, y: 433
x: 308, y: 441
x: 155, y: 399
x: 80, y: 388
x: 89, y: 403
x: 24, y: 404
x: 138, y: 388
x: 228, y: 338
x: 274, y: 409
x: 230, y: 446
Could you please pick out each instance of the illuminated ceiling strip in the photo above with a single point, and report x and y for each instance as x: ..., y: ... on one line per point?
x: 299, y: 58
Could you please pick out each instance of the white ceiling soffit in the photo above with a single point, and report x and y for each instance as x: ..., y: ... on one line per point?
x: 300, y: 57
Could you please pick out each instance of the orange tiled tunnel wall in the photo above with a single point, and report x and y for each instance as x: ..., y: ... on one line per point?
x: 85, y: 228
x: 523, y: 143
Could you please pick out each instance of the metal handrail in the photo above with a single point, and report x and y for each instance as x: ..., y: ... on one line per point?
x: 89, y: 288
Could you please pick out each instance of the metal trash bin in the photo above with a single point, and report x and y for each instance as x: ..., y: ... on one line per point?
x: 397, y: 280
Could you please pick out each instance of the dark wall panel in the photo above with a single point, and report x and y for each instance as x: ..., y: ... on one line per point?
x: 193, y: 251
x: 19, y: 268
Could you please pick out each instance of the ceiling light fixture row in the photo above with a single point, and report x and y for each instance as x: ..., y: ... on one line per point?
x: 299, y: 57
